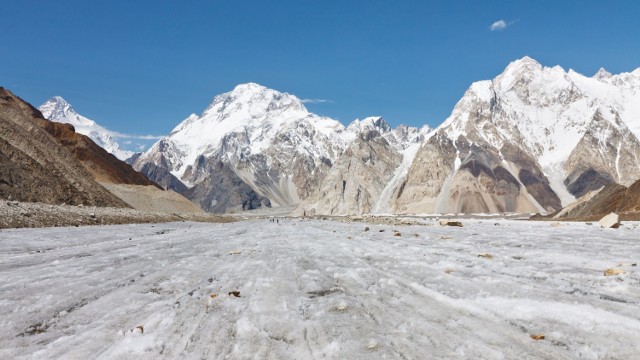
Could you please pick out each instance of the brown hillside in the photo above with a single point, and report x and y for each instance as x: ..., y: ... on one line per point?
x: 102, y: 165
x: 613, y: 198
x: 35, y: 167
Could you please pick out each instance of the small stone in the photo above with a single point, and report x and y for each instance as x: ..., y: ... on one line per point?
x: 141, y: 328
x: 234, y: 293
x: 397, y: 234
x: 342, y: 306
x: 537, y: 337
x: 485, y: 255
x: 613, y: 272
x: 372, y: 345
x: 366, y: 228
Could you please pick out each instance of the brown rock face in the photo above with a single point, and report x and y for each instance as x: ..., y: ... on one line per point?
x: 35, y: 167
x: 102, y: 165
x: 612, y: 198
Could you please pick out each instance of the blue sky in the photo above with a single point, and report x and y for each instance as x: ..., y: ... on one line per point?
x: 140, y: 67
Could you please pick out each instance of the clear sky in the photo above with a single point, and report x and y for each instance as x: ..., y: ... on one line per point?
x: 140, y: 67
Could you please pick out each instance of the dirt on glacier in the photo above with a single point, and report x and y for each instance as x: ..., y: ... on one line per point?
x: 15, y: 214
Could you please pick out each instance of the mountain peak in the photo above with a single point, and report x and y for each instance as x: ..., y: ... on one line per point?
x: 256, y: 100
x: 249, y: 87
x: 371, y: 123
x: 58, y: 99
x: 57, y: 105
x: 525, y: 64
x: 602, y: 74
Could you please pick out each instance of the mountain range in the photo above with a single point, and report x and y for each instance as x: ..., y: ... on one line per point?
x: 532, y: 139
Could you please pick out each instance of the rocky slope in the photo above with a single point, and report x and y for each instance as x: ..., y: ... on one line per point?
x: 46, y: 161
x: 35, y: 167
x: 622, y: 200
x: 357, y: 178
x: 104, y: 166
x: 59, y: 110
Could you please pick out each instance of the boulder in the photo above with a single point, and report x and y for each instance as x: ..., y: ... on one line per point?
x: 450, y: 223
x: 610, y: 221
x: 613, y: 272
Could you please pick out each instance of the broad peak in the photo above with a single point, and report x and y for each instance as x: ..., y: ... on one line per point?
x: 524, y: 64
x: 255, y: 97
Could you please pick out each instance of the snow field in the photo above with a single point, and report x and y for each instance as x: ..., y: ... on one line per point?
x: 320, y: 289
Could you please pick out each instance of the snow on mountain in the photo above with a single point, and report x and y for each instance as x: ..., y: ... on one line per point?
x: 401, y: 137
x: 530, y: 140
x: 59, y: 110
x: 547, y: 112
x: 254, y: 111
x: 265, y: 142
x: 262, y: 139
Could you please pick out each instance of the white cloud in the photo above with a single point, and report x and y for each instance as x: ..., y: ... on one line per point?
x: 315, y: 101
x: 118, y: 135
x: 498, y: 25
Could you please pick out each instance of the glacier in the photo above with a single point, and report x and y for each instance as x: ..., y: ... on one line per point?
x: 320, y: 289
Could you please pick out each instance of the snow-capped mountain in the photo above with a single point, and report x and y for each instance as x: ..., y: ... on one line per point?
x: 255, y: 146
x: 261, y: 146
x: 531, y: 139
x: 59, y: 110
